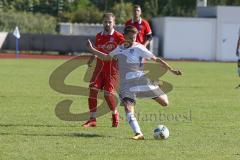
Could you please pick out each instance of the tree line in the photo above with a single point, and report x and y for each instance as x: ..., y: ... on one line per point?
x: 90, y: 11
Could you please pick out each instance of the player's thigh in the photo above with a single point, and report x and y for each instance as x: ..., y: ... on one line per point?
x: 110, y: 83
x: 97, y: 81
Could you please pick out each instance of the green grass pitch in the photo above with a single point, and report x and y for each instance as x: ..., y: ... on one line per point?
x: 203, y: 117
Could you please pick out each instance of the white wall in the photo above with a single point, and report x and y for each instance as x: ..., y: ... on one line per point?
x: 227, y: 41
x: 84, y: 29
x: 188, y: 38
x: 210, y: 36
x: 228, y: 25
x: 228, y: 13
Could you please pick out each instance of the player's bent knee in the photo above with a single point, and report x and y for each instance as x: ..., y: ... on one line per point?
x: 165, y: 103
x: 162, y: 100
x: 127, y: 109
x: 108, y: 93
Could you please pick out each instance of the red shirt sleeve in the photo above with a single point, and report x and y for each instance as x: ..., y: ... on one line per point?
x: 128, y: 23
x: 148, y: 29
x: 121, y: 39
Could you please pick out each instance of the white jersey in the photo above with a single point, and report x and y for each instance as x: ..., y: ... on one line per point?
x: 130, y: 60
x: 132, y: 78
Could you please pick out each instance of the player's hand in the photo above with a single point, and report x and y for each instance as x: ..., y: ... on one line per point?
x: 176, y: 72
x: 89, y: 45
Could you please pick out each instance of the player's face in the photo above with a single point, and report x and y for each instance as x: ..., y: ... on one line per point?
x: 137, y: 12
x: 130, y: 38
x: 108, y: 23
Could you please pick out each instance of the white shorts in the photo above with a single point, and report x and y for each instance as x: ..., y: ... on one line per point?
x: 141, y: 88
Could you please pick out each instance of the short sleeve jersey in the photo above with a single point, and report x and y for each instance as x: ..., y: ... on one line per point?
x: 130, y: 60
x: 106, y: 43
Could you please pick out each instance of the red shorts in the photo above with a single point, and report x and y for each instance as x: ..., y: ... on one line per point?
x: 104, y: 81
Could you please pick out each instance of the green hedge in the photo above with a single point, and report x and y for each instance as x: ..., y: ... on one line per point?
x: 27, y: 22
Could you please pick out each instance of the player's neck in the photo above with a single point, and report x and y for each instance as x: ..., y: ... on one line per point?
x: 127, y: 44
x: 110, y: 32
x: 136, y: 19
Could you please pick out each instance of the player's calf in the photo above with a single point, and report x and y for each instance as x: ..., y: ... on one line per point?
x: 129, y: 109
x: 111, y: 101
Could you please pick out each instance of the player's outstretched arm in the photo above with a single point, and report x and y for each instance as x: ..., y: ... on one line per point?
x: 238, y: 46
x: 167, y: 66
x: 99, y: 54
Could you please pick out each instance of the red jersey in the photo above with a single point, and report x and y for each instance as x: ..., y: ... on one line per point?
x: 107, y: 43
x: 143, y: 28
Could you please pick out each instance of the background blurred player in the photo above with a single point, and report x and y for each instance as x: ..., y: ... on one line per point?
x: 238, y: 55
x: 105, y: 75
x: 144, y: 35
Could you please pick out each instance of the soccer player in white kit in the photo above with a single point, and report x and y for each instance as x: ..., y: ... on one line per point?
x: 130, y: 57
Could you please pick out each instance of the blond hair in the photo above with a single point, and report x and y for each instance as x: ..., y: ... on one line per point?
x: 108, y: 14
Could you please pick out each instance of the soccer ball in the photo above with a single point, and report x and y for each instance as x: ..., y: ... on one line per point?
x: 161, y: 132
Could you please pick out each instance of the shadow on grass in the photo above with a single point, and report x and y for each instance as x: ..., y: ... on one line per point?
x: 85, y: 135
x: 76, y: 135
x: 73, y: 135
x: 46, y: 125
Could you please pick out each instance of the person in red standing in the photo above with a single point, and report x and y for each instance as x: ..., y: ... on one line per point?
x: 105, y: 75
x: 144, y: 35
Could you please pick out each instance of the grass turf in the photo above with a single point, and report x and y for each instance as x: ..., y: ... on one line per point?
x: 203, y: 117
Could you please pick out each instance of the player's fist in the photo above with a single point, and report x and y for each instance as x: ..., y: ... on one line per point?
x: 89, y: 45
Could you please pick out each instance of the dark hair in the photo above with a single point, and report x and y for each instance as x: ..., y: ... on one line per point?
x: 130, y: 29
x: 108, y: 14
x: 136, y: 6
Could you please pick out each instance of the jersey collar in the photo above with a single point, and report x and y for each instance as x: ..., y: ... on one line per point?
x: 102, y: 33
x: 139, y: 22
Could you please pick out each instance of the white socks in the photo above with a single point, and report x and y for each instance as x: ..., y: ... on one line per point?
x: 114, y: 112
x: 133, y: 122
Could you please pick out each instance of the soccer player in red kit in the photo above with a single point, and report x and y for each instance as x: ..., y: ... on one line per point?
x: 105, y: 75
x: 144, y: 35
